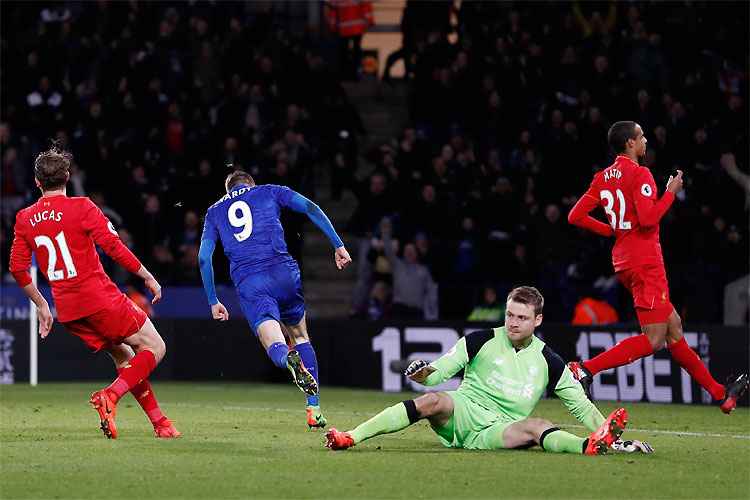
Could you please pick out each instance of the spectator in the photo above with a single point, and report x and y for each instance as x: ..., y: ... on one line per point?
x: 349, y: 20
x: 375, y: 202
x: 737, y: 291
x: 593, y: 311
x: 489, y: 309
x: 156, y: 108
x: 378, y: 308
x: 414, y: 291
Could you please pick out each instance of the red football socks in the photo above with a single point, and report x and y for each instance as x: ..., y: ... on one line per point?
x: 137, y: 370
x: 624, y: 352
x: 689, y: 360
x: 144, y: 394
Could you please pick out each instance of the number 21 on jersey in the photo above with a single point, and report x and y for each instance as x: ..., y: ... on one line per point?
x: 616, y: 220
x: 70, y: 268
x: 244, y: 220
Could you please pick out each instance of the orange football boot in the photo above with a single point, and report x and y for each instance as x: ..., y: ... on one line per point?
x: 337, y: 440
x: 166, y: 429
x: 107, y: 409
x: 315, y: 418
x: 601, y: 439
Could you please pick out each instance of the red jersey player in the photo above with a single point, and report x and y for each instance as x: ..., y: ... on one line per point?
x: 627, y: 193
x: 62, y: 232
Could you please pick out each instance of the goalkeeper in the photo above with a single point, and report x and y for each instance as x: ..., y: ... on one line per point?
x: 506, y: 373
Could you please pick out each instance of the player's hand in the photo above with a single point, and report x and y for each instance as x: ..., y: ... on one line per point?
x: 218, y: 311
x: 674, y: 184
x: 155, y: 288
x: 45, y: 320
x: 632, y: 446
x: 418, y: 371
x: 342, y: 258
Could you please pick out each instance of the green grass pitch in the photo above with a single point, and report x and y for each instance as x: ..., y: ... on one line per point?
x: 250, y: 441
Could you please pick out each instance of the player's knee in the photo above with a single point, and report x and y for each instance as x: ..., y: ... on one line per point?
x: 536, y: 426
x: 121, y: 354
x: 543, y: 424
x: 156, y: 345
x: 159, y: 348
x: 299, y: 336
x: 657, y: 340
x: 675, y: 327
x: 428, y: 404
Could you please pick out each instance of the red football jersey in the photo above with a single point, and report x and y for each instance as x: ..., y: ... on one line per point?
x: 627, y: 193
x: 62, y: 231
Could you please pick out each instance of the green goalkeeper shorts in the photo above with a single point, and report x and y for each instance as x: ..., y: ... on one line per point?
x: 472, y: 426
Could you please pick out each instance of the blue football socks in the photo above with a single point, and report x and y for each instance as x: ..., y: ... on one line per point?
x: 277, y: 352
x: 307, y: 353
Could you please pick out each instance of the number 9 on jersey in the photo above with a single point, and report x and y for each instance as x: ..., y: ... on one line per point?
x: 244, y: 220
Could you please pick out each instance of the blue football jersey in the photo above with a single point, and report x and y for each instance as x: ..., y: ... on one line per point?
x: 247, y: 221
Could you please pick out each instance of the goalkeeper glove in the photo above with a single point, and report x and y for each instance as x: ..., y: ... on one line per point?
x: 414, y: 367
x: 632, y: 446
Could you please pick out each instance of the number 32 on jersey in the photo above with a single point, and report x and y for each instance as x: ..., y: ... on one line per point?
x: 616, y: 220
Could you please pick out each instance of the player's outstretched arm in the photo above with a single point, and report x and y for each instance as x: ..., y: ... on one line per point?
x: 442, y: 369
x: 300, y: 204
x: 570, y: 392
x: 205, y: 261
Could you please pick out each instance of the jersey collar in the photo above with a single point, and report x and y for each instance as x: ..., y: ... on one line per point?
x: 509, y: 344
x: 623, y: 158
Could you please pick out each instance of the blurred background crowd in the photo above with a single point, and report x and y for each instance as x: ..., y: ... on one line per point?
x: 508, y: 109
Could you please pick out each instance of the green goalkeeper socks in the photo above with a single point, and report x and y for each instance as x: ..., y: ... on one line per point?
x: 391, y: 419
x: 559, y: 441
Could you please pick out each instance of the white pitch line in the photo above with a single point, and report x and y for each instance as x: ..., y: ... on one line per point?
x: 344, y: 412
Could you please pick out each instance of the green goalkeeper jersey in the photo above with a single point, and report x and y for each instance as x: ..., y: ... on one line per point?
x: 511, y: 382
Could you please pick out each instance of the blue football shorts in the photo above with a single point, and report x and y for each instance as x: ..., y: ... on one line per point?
x: 274, y: 293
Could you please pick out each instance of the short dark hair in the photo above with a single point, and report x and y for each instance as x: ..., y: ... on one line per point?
x: 619, y: 134
x: 528, y: 295
x: 51, y: 167
x: 238, y: 177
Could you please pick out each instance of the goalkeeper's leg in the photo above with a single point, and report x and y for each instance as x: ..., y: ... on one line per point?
x: 538, y: 431
x: 435, y: 406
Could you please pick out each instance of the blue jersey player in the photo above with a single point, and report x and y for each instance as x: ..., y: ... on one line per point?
x: 267, y: 278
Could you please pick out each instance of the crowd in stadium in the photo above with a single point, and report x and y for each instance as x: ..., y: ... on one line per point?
x: 155, y: 100
x: 509, y: 110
